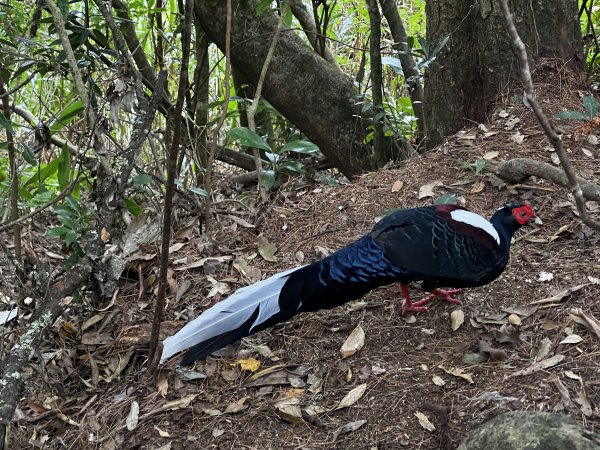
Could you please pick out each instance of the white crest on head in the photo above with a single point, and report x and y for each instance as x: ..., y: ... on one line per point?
x: 475, y: 220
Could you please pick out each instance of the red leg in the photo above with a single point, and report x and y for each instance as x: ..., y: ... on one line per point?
x: 410, y: 306
x: 435, y: 293
x: 447, y: 295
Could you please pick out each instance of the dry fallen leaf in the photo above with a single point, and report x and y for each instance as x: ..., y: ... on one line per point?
x: 586, y: 320
x: 133, y: 416
x: 560, y: 295
x: 397, y: 185
x: 438, y: 381
x: 351, y: 426
x: 545, y: 276
x: 541, y: 365
x: 162, y: 385
x: 354, y: 343
x: 249, y: 364
x: 457, y: 318
x: 427, y: 189
x: 424, y: 421
x: 289, y: 409
x: 352, y: 397
x: 572, y: 339
x: 458, y: 372
x: 477, y: 187
x: 237, y: 406
x: 543, y: 350
x: 490, y: 155
x: 267, y: 249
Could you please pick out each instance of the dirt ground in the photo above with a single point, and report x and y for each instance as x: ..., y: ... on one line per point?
x: 415, y: 384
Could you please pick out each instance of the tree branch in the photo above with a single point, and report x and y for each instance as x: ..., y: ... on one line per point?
x: 543, y: 120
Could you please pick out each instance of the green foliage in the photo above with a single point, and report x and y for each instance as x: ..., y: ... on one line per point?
x: 476, y: 167
x: 279, y: 159
x: 590, y: 104
x: 75, y: 223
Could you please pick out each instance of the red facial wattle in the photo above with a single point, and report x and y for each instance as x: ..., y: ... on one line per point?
x: 523, y: 214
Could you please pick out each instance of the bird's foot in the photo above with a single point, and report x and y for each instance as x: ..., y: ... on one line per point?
x: 436, y: 293
x: 446, y: 295
x: 414, y: 307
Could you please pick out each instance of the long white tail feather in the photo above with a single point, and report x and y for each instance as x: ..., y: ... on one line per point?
x: 229, y: 314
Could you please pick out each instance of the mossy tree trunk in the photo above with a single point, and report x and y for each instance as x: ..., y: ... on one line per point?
x: 310, y: 92
x: 478, y: 63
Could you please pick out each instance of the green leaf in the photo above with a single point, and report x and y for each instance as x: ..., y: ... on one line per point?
x: 439, y: 47
x: 66, y: 115
x: 394, y: 63
x: 4, y: 122
x: 446, y: 199
x: 303, y: 147
x: 248, y: 138
x: 571, y: 115
x: 132, y: 206
x: 45, y: 171
x: 268, y: 179
x: 73, y: 204
x: 294, y: 166
x: 141, y: 180
x: 591, y: 106
x: 198, y: 191
x: 263, y: 5
x: 70, y: 237
x: 64, y: 167
x: 57, y: 231
x: 28, y: 154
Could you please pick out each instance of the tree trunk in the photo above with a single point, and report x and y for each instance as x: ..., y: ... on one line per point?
x: 478, y: 62
x: 307, y: 90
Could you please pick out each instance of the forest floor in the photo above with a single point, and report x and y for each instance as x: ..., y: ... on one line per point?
x: 415, y: 384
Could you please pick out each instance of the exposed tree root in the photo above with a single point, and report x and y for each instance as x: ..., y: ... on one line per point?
x: 519, y: 169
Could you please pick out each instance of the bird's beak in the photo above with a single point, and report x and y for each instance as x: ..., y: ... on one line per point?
x: 537, y: 221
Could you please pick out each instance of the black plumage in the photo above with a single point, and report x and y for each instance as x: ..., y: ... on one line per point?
x: 439, y: 246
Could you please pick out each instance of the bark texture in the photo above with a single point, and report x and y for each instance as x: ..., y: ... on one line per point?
x: 307, y: 90
x: 478, y: 61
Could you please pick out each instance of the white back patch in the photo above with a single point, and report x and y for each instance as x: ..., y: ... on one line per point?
x: 475, y: 220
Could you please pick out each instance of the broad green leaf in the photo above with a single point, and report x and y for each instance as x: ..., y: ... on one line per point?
x: 248, y: 138
x: 45, y: 171
x: 591, y: 106
x: 294, y: 166
x: 268, y: 178
x: 263, y: 5
x: 64, y: 167
x: 73, y: 204
x: 446, y: 199
x: 28, y: 154
x: 66, y: 115
x: 4, y: 122
x: 141, y: 180
x: 439, y: 47
x: 303, y: 147
x: 132, y: 206
x: 571, y: 115
x: 57, y: 231
x: 394, y: 63
x: 70, y: 237
x: 199, y: 191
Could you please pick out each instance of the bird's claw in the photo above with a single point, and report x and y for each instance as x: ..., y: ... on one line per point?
x: 436, y: 293
x: 413, y: 308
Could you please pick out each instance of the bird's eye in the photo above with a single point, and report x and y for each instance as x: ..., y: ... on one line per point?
x: 523, y: 213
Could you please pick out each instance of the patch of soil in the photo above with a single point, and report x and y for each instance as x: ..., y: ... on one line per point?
x: 411, y: 367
